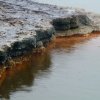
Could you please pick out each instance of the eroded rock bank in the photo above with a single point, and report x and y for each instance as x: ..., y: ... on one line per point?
x: 26, y: 25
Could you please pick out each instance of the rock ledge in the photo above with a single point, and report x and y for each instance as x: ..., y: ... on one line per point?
x: 26, y: 25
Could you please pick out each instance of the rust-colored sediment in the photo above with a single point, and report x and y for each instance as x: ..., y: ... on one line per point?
x: 67, y: 42
x: 22, y: 63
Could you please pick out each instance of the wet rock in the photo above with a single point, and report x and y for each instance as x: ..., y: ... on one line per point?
x: 84, y: 20
x: 44, y: 37
x: 39, y: 44
x: 61, y: 23
x: 2, y: 57
x: 72, y: 22
x: 21, y: 47
x: 26, y: 25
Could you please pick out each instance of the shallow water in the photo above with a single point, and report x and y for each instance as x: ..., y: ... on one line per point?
x: 65, y: 72
x: 89, y: 5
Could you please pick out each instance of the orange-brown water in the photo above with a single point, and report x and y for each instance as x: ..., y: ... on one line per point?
x: 22, y: 63
x: 27, y: 71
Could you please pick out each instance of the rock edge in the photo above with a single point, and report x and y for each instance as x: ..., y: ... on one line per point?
x: 26, y: 25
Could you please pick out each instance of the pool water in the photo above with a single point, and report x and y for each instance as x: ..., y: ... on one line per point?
x: 66, y: 72
x: 89, y: 5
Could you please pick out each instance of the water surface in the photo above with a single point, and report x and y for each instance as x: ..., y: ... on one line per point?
x: 89, y: 5
x: 67, y: 72
x: 63, y: 73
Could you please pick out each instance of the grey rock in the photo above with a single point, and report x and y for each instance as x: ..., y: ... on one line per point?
x: 26, y: 25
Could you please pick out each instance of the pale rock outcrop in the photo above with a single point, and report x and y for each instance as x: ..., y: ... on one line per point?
x: 26, y: 25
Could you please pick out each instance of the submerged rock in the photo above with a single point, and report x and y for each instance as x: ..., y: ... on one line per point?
x: 26, y: 25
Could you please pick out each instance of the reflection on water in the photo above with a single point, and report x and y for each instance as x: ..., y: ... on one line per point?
x: 69, y: 69
x: 22, y: 74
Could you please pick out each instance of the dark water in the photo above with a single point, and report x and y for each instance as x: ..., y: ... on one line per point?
x: 64, y: 73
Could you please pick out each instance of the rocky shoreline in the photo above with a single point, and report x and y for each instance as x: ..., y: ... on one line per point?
x: 26, y: 25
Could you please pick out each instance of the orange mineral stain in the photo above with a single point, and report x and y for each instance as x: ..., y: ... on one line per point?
x: 22, y: 63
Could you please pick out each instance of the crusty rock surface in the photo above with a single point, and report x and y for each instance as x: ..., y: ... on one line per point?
x: 25, y: 25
